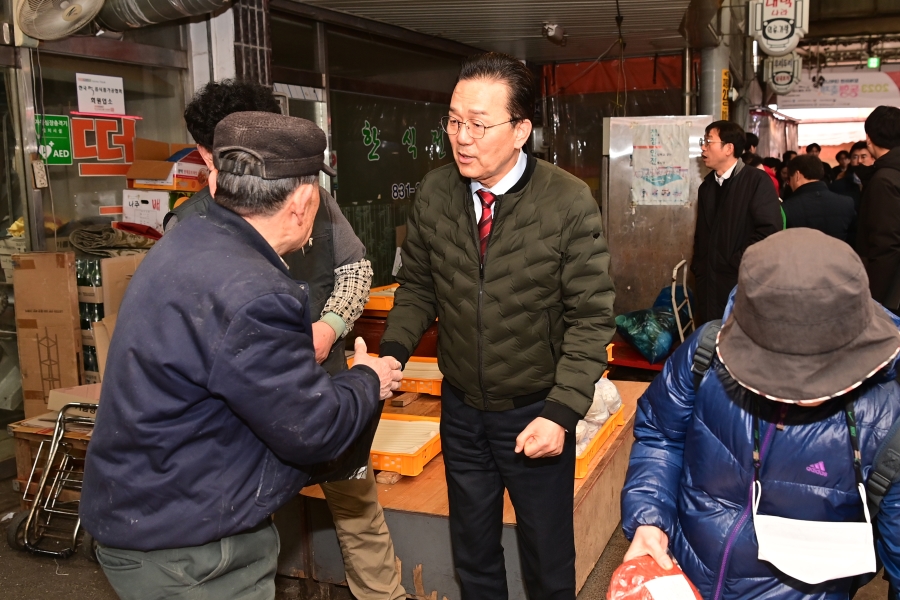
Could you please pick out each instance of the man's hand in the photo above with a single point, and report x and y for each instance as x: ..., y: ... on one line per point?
x: 387, y: 368
x: 541, y: 438
x: 653, y: 542
x: 323, y: 340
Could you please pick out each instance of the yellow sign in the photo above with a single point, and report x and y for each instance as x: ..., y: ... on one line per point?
x: 726, y: 88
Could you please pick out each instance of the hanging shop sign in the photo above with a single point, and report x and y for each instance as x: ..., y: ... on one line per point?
x: 726, y: 93
x: 778, y: 25
x: 100, y: 94
x: 661, y: 164
x: 783, y: 72
x: 852, y: 89
x: 108, y: 141
x: 54, y: 139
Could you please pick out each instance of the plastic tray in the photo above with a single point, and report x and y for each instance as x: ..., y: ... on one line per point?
x: 380, y: 298
x: 407, y: 464
x: 422, y: 385
x: 583, y: 462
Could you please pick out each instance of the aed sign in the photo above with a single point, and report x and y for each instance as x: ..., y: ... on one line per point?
x: 778, y: 25
x: 783, y: 72
x: 54, y: 139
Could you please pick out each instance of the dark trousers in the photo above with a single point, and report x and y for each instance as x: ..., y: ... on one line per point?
x: 479, y: 459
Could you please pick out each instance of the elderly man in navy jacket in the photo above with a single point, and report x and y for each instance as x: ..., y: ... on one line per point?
x: 213, y: 401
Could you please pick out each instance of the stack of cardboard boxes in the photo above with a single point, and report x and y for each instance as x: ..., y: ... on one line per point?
x: 161, y: 176
x: 52, y: 344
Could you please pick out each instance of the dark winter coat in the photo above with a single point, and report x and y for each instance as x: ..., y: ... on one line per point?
x: 532, y: 323
x: 730, y: 217
x: 691, y: 474
x: 815, y: 206
x: 212, y: 399
x: 878, y: 231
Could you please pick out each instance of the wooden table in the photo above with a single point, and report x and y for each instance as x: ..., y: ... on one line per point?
x: 597, y: 510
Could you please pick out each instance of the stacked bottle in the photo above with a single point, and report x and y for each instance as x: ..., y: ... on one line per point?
x: 90, y: 307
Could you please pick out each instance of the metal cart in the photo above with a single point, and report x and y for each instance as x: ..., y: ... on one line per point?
x: 51, y: 526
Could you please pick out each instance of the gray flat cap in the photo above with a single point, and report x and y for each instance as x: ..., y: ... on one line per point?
x: 285, y: 146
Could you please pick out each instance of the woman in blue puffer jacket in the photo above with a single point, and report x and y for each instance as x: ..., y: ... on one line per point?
x: 791, y: 412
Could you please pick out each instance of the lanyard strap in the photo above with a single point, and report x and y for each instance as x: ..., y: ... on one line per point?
x: 854, y: 441
x: 850, y: 417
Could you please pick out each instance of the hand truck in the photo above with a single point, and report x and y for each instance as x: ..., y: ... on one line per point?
x: 50, y: 527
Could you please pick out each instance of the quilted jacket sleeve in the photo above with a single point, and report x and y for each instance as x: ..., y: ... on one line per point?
x: 415, y: 303
x: 265, y: 370
x: 888, y: 538
x: 587, y: 299
x: 650, y: 495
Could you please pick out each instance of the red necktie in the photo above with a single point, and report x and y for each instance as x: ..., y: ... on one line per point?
x: 484, y: 224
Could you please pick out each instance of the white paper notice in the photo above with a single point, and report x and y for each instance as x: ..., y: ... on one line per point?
x: 100, y: 94
x: 661, y: 164
x: 674, y: 587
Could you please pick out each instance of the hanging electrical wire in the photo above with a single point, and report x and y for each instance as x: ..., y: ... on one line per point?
x: 621, y: 42
x: 37, y: 78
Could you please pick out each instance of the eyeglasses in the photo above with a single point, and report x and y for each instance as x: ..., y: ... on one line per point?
x: 475, y: 127
x: 707, y: 142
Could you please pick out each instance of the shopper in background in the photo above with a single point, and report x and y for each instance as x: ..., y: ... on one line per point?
x: 800, y: 379
x: 788, y: 156
x: 752, y: 142
x: 859, y: 155
x: 878, y: 233
x: 784, y: 180
x: 508, y: 252
x: 850, y: 183
x: 757, y: 162
x: 737, y: 206
x: 840, y: 171
x: 339, y: 278
x: 813, y: 205
x: 213, y: 400
x: 814, y: 150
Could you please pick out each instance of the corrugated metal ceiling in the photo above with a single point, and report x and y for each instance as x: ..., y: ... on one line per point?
x: 514, y: 26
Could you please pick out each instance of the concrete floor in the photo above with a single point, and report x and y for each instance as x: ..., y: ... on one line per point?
x: 27, y: 577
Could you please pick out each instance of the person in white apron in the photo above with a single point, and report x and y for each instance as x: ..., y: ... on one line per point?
x: 753, y: 477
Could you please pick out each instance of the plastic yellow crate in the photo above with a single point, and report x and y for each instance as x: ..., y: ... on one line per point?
x: 582, y: 462
x: 422, y: 385
x: 407, y: 464
x: 381, y: 298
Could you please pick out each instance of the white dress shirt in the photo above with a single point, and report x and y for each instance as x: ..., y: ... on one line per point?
x: 726, y: 174
x: 502, y: 186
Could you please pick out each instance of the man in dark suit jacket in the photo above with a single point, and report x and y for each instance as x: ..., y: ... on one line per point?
x: 813, y: 205
x: 737, y: 206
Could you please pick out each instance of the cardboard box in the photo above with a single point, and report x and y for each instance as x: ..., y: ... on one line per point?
x: 116, y: 274
x: 103, y: 331
x: 162, y: 166
x: 85, y: 394
x: 47, y: 319
x: 145, y: 207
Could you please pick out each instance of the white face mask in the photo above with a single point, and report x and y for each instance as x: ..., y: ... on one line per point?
x: 815, y: 551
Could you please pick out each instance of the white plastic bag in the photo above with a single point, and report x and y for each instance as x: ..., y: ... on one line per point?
x: 605, y: 391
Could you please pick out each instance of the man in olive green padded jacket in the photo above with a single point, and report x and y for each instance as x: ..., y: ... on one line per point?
x: 508, y: 253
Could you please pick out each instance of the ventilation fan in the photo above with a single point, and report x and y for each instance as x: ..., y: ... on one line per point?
x: 54, y: 19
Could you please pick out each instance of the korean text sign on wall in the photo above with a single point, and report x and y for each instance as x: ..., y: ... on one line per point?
x: 100, y: 94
